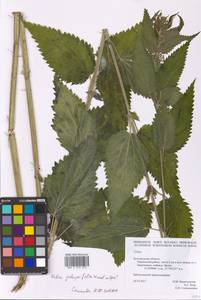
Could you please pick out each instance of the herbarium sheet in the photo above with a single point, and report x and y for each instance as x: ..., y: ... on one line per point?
x: 99, y: 115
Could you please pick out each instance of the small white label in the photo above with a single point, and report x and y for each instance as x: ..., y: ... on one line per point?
x: 163, y: 268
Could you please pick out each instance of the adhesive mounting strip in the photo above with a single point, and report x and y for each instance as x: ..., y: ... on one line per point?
x: 23, y: 223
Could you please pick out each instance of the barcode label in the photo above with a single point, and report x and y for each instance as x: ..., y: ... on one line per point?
x: 76, y: 260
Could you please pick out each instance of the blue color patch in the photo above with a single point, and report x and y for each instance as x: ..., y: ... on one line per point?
x: 18, y: 252
x: 6, y: 209
x: 7, y: 241
x: 30, y: 262
x: 28, y: 209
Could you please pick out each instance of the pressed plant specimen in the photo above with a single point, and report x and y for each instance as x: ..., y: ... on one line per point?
x: 148, y: 60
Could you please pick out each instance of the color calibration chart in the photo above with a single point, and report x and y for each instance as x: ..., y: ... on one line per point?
x: 23, y: 235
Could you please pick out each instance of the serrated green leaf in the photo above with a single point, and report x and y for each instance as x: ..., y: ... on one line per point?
x: 72, y: 122
x: 171, y: 70
x: 110, y: 91
x: 132, y: 220
x: 141, y: 71
x: 57, y: 84
x: 173, y: 38
x: 169, y: 96
x: 104, y: 128
x: 70, y: 189
x: 149, y: 35
x: 172, y: 128
x: 97, y: 214
x: 125, y: 167
x: 71, y: 59
x: 124, y: 41
x: 80, y: 228
x: 169, y: 165
x: 164, y: 130
x: 182, y: 114
x: 178, y: 217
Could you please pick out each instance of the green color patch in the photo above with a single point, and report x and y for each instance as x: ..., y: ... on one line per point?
x: 17, y: 220
x: 6, y: 230
x: 29, y: 251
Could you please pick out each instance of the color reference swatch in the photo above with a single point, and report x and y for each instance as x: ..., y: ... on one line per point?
x: 23, y: 235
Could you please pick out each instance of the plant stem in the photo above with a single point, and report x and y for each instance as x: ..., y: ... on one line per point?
x: 15, y: 162
x: 34, y: 141
x: 155, y: 206
x: 154, y: 229
x: 13, y: 88
x: 21, y: 282
x: 163, y: 190
x: 22, y: 38
x: 11, y: 129
x: 53, y: 232
x: 92, y: 84
x: 133, y: 125
x: 66, y: 229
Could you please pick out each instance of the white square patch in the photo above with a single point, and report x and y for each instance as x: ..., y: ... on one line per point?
x: 40, y: 262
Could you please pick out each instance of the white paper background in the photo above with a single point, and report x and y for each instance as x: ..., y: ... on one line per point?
x: 85, y: 19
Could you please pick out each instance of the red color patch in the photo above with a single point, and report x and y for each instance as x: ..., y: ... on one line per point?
x: 29, y: 241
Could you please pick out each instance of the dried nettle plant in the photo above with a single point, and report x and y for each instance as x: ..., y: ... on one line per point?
x: 142, y: 60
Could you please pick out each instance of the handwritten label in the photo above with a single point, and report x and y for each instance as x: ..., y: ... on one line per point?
x: 89, y: 283
x: 84, y: 276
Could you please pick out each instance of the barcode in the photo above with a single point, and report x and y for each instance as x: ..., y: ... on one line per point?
x: 76, y: 260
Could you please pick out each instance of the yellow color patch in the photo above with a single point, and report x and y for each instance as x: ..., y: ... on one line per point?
x: 17, y: 209
x: 29, y: 230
